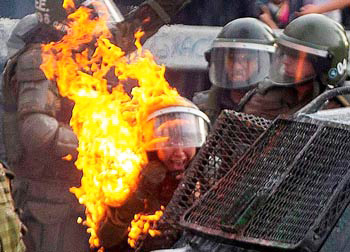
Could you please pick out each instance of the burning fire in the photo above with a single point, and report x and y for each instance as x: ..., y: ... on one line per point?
x: 107, y: 121
x: 142, y: 225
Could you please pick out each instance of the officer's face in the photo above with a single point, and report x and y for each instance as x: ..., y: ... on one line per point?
x: 297, y: 66
x: 240, y: 66
x: 176, y: 159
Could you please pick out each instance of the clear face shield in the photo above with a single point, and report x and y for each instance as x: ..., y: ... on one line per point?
x: 175, y: 127
x: 293, y: 63
x: 237, y: 65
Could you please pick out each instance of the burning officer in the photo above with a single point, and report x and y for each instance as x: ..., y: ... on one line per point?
x: 36, y: 123
x: 239, y: 59
x: 311, y: 56
x: 172, y: 135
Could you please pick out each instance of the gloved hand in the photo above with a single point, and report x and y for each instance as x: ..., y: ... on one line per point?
x: 66, y: 142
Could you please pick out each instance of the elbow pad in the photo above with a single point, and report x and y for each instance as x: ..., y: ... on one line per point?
x: 37, y: 132
x: 42, y: 133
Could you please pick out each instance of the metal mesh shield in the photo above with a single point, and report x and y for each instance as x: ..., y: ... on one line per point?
x: 231, y: 136
x: 286, y: 192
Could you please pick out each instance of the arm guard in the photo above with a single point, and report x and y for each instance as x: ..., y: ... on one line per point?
x: 41, y: 133
x: 37, y: 107
x: 148, y: 17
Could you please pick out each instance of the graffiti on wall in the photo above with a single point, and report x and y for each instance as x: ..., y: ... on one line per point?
x: 182, y: 46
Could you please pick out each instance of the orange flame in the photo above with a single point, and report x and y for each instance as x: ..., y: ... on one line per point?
x: 143, y: 224
x: 300, y: 66
x: 108, y: 123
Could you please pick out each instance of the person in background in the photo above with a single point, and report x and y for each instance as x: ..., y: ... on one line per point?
x: 275, y: 13
x: 239, y: 59
x: 172, y: 136
x: 216, y: 13
x: 345, y: 21
x: 11, y: 228
x: 331, y: 8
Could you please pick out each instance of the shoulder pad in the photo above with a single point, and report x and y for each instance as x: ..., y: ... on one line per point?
x: 24, y: 27
x: 28, y: 65
x: 38, y: 131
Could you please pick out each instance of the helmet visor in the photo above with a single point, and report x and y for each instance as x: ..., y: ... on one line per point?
x: 175, y: 129
x: 293, y: 64
x: 239, y: 67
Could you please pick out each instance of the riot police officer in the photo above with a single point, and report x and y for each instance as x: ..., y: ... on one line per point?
x: 172, y: 135
x: 311, y: 56
x: 239, y: 59
x: 36, y: 125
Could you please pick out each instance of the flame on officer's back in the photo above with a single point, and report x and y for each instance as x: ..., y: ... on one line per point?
x: 108, y: 123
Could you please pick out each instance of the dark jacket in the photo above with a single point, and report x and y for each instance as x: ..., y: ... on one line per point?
x: 155, y: 189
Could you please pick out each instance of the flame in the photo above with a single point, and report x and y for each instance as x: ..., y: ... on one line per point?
x: 108, y: 123
x: 300, y: 66
x: 143, y: 224
x: 68, y: 4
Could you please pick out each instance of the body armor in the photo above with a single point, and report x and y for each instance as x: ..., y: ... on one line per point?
x: 37, y: 136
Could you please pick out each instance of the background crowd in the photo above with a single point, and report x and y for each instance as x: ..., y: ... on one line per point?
x: 220, y: 12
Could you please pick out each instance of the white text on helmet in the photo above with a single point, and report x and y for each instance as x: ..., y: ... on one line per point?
x: 40, y: 5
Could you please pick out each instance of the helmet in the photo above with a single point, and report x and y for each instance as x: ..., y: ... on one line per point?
x: 52, y: 12
x: 241, y: 53
x: 311, y: 47
x: 177, y: 125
